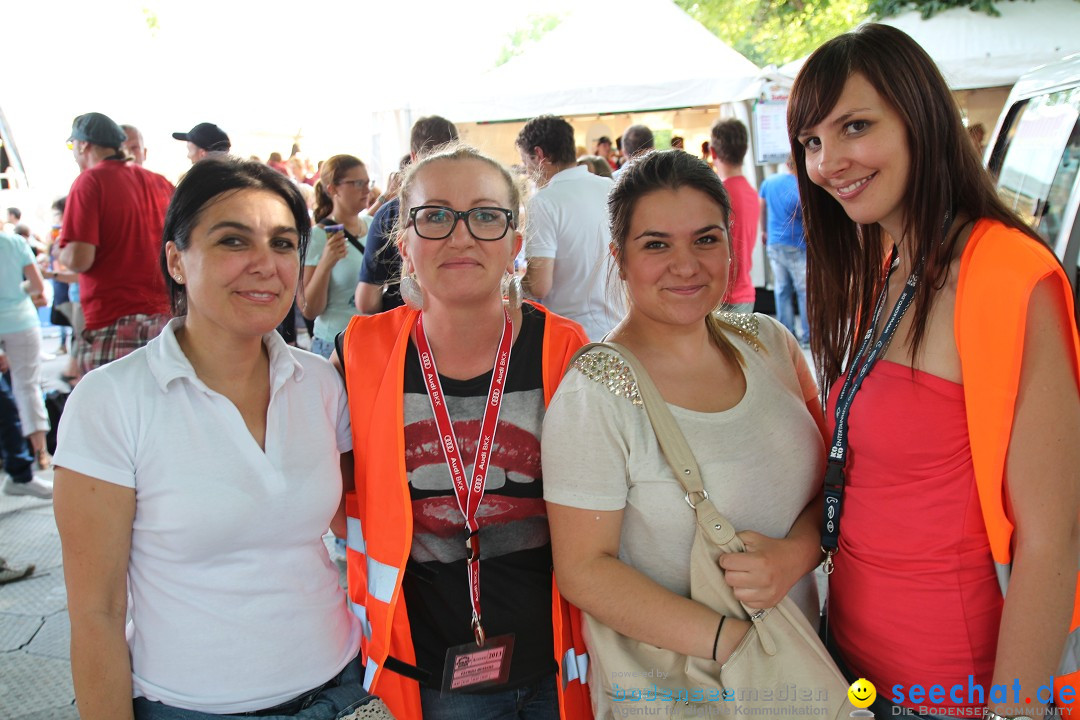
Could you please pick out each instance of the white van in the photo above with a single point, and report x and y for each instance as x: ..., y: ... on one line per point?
x: 1034, y: 156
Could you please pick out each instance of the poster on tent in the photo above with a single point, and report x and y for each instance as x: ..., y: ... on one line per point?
x: 770, y: 132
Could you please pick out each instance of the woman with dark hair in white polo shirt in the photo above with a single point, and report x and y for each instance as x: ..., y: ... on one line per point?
x: 198, y: 475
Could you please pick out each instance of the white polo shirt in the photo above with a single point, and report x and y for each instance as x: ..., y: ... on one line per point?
x: 235, y: 604
x: 568, y: 221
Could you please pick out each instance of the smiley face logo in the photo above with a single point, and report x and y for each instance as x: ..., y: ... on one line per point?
x: 862, y: 693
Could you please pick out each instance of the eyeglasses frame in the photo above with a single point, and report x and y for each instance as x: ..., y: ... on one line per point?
x: 365, y: 186
x: 460, y: 215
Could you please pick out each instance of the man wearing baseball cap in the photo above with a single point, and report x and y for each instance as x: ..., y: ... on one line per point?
x: 111, y: 236
x: 203, y: 139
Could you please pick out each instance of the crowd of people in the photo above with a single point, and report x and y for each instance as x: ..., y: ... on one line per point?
x: 453, y: 414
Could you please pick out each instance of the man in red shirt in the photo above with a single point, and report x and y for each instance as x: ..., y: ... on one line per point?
x: 728, y: 143
x: 111, y: 236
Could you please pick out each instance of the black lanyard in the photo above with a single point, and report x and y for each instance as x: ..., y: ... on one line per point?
x: 860, y: 367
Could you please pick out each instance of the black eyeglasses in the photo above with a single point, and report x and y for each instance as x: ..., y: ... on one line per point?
x: 358, y: 184
x: 435, y: 222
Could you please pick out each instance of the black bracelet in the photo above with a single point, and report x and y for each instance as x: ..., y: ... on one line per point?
x: 716, y: 642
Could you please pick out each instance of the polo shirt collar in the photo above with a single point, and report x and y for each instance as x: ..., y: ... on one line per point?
x: 168, y: 362
x: 568, y: 174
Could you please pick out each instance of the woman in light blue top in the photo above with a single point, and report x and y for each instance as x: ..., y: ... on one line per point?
x: 332, y: 267
x: 20, y: 338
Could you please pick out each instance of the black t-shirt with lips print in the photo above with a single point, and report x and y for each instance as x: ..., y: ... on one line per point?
x: 515, y: 545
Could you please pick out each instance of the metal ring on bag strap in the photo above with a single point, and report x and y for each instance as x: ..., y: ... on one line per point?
x: 704, y: 496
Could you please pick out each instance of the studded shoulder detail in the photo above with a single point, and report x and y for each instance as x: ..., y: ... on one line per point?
x: 612, y: 372
x: 746, y: 324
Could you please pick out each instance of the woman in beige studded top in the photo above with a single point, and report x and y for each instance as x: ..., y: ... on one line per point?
x: 742, y: 394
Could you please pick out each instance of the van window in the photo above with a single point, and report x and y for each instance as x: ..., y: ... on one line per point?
x: 1041, y: 160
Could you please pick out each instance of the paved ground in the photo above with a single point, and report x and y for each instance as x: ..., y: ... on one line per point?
x: 35, y: 670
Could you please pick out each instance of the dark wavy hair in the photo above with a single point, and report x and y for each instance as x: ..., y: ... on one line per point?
x: 845, y: 259
x: 668, y: 170
x: 205, y: 183
x: 551, y: 134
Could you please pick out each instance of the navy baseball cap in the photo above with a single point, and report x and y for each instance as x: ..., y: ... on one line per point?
x: 97, y: 129
x: 208, y: 136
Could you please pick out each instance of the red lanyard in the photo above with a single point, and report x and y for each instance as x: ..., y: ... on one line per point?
x: 468, y: 495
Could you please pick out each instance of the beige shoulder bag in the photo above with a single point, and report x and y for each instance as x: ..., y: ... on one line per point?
x: 780, y: 667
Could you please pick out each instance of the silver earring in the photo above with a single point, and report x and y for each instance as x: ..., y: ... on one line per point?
x: 179, y: 278
x: 410, y: 292
x: 513, y: 291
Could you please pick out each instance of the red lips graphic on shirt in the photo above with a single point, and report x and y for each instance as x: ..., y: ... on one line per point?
x: 437, y: 521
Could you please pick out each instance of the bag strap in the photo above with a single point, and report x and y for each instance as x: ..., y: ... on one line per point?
x: 673, y: 444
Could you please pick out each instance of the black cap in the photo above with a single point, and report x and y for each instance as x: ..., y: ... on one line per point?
x: 208, y: 136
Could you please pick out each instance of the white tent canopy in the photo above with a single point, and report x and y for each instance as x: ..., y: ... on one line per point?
x: 975, y: 50
x: 668, y: 61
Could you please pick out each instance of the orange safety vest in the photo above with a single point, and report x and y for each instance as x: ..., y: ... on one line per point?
x: 379, y: 510
x: 998, y: 271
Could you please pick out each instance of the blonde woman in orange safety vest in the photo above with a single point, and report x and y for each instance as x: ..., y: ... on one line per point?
x: 945, y: 339
x: 449, y: 555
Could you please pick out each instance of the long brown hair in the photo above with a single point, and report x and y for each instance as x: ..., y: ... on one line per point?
x: 330, y: 173
x: 845, y: 259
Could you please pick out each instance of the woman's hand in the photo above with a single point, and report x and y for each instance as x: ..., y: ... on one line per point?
x: 764, y: 574
x: 335, y: 249
x: 314, y: 293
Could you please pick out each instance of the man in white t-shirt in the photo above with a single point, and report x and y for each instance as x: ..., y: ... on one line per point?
x: 566, y: 233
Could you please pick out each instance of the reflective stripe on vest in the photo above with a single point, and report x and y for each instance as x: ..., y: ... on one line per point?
x: 361, y: 612
x: 355, y: 536
x: 1070, y: 659
x: 381, y: 580
x: 369, y: 673
x: 575, y: 667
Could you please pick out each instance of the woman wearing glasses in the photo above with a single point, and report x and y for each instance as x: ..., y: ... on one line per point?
x: 447, y: 398
x: 334, y: 258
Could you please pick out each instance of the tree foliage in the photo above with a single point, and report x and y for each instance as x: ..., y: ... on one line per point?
x: 929, y: 8
x: 535, y: 27
x: 775, y: 31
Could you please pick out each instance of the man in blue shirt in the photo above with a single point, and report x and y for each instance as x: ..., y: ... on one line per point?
x: 382, y: 264
x: 782, y: 231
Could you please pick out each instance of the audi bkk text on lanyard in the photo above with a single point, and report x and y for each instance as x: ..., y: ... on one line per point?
x: 860, y: 367
x: 465, y: 666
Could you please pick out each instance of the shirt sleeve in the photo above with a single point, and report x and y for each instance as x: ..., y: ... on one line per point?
x: 344, y: 422
x: 96, y: 435
x: 787, y: 344
x: 316, y: 245
x: 26, y: 255
x: 584, y: 446
x: 541, y: 238
x: 375, y: 269
x: 81, y: 212
x: 803, y: 370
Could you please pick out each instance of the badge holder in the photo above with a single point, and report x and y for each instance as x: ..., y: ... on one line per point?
x: 478, y: 664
